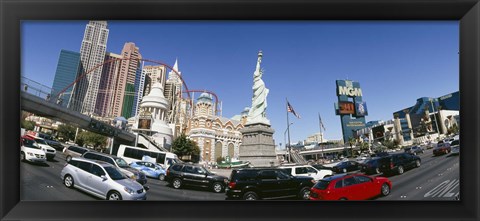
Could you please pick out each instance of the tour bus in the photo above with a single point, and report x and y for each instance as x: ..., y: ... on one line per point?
x: 133, y: 154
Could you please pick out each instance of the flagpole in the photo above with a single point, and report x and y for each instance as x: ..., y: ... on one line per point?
x: 321, y: 136
x: 288, y: 129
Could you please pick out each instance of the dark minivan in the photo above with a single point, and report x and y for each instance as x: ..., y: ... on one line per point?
x: 187, y: 174
x: 267, y: 183
x: 398, y: 163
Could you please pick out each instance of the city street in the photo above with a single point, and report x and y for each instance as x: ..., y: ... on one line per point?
x: 438, y: 178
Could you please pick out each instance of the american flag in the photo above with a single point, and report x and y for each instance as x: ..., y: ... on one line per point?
x: 321, y: 123
x: 290, y: 109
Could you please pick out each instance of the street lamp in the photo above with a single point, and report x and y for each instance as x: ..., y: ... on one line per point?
x: 285, y: 139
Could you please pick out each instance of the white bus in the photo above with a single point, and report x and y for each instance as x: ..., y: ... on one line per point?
x: 133, y: 154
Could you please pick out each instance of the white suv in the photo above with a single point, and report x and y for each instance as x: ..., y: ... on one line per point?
x: 307, y: 170
x: 50, y: 151
x: 30, y: 151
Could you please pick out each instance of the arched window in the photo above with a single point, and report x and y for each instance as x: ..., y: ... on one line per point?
x: 218, y: 150
x: 231, y: 151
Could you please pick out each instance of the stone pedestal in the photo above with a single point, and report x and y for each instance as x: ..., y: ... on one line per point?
x: 258, y: 146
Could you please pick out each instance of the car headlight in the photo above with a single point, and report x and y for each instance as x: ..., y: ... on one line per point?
x: 133, y: 177
x: 128, y: 190
x: 30, y: 154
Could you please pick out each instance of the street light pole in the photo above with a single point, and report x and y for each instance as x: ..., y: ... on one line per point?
x: 285, y: 139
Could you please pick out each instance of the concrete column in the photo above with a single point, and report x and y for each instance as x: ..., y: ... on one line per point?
x: 407, y: 117
x: 398, y: 130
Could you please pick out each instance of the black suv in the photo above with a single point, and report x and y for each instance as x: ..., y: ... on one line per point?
x: 267, y: 183
x: 397, y: 163
x: 181, y: 174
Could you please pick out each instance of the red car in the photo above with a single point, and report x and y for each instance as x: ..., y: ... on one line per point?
x: 441, y: 148
x: 350, y: 187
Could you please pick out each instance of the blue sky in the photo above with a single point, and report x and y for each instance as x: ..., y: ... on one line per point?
x: 395, y: 62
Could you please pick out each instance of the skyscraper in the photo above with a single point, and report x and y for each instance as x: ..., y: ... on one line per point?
x: 67, y: 68
x: 173, y: 92
x: 155, y: 73
x: 92, y: 55
x: 129, y: 68
x: 108, y: 84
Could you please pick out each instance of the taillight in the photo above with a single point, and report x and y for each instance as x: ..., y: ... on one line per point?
x: 391, y: 165
x: 168, y: 171
x: 231, y: 185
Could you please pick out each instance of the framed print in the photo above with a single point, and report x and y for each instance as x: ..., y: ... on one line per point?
x: 234, y: 56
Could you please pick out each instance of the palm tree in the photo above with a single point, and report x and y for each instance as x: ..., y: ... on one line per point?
x: 351, y: 142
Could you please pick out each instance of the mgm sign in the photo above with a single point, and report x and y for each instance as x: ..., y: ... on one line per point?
x: 350, y: 107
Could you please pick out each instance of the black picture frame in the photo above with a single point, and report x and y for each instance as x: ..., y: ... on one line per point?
x: 13, y: 12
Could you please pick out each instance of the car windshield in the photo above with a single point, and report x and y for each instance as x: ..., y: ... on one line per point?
x: 121, y: 162
x: 114, y: 173
x: 40, y: 141
x: 321, y: 184
x: 30, y: 144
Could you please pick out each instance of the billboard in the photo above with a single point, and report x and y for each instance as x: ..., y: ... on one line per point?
x: 144, y: 124
x: 361, y: 109
x: 345, y: 107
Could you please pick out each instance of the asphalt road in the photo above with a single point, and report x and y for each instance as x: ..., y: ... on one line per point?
x: 436, y: 179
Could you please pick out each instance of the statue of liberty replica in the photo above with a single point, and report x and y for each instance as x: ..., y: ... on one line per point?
x: 258, y: 146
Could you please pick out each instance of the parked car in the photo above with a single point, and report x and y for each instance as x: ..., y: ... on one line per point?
x: 267, y: 183
x: 120, y: 163
x: 31, y: 151
x: 346, y: 166
x: 49, y: 151
x: 455, y: 147
x: 306, y: 170
x: 414, y: 150
x: 74, y: 151
x: 321, y: 167
x: 55, y: 144
x: 101, y: 179
x: 371, y: 166
x: 188, y: 174
x: 350, y: 187
x: 442, y: 148
x: 398, y: 163
x: 448, y: 140
x: 380, y: 154
x: 150, y: 169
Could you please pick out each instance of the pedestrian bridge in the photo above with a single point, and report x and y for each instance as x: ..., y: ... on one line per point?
x: 41, y: 107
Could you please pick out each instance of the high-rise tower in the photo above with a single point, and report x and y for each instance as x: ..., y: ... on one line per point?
x: 125, y: 89
x: 92, y: 54
x: 67, y: 68
x: 108, y: 83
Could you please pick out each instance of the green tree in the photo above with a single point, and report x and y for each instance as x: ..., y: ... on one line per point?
x: 67, y: 132
x: 352, y: 141
x: 28, y: 125
x: 184, y: 147
x: 91, y: 139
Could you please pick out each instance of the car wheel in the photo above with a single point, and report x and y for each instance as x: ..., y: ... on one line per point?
x: 385, y: 189
x: 114, y: 195
x: 177, y: 183
x: 68, y: 158
x: 400, y: 170
x: 68, y: 181
x: 161, y: 177
x: 217, y: 187
x: 417, y: 163
x: 250, y: 196
x: 343, y: 198
x: 304, y: 193
x: 22, y: 156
